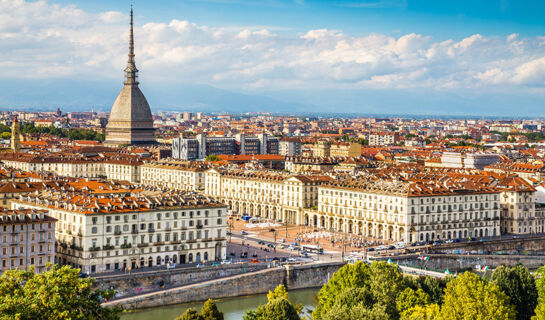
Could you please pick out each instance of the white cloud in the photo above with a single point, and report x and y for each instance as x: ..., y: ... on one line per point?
x: 40, y: 40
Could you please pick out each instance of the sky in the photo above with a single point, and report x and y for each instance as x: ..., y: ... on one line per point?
x: 477, y: 58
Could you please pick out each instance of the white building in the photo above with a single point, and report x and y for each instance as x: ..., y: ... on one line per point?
x: 107, y: 233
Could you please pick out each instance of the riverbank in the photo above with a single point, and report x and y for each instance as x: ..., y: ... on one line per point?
x: 232, y: 308
x: 292, y: 276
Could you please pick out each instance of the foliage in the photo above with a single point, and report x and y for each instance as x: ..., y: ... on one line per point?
x: 432, y: 286
x: 278, y: 307
x: 470, y: 297
x: 429, y: 312
x: 520, y: 286
x: 58, y: 293
x: 72, y: 133
x: 540, y: 286
x: 212, y: 157
x: 410, y: 298
x: 359, y: 311
x: 377, y: 284
x: 190, y: 314
x: 209, y: 311
x: 5, y: 135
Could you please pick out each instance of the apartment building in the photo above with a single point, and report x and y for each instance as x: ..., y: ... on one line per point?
x: 268, y: 194
x: 518, y: 207
x: 75, y: 167
x: 114, y: 232
x: 289, y: 147
x: 123, y: 169
x: 174, y: 175
x: 345, y: 149
x: 407, y: 211
x: 202, y: 146
x: 383, y: 139
x: 27, y: 239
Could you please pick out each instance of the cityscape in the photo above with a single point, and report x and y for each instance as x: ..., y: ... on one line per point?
x: 278, y: 209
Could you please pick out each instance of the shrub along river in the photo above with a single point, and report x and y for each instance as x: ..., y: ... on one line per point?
x: 232, y: 308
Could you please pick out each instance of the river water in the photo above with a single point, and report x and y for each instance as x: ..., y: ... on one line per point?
x: 232, y: 308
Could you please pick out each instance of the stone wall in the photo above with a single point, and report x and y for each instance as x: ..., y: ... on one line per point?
x: 143, y: 282
x: 293, y: 277
x: 460, y: 262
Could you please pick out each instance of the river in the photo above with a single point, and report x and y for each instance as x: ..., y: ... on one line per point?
x: 232, y: 308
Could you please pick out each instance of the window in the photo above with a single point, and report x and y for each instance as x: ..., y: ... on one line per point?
x: 94, y: 230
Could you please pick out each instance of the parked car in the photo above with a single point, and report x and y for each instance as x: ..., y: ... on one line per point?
x: 226, y: 262
x: 261, y: 242
x: 254, y: 261
x: 171, y: 265
x: 244, y: 233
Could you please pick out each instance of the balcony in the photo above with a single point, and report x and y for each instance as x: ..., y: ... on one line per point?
x: 117, y: 232
x: 159, y: 243
x: 108, y: 247
x: 219, y: 238
x: 175, y: 242
x: 92, y: 249
x: 134, y: 231
x: 126, y: 246
x: 151, y: 230
x: 142, y: 245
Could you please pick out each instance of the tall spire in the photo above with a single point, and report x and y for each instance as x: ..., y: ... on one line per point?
x: 131, y: 72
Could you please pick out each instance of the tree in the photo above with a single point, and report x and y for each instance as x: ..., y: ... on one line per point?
x: 469, y: 297
x: 520, y: 286
x: 377, y: 284
x: 432, y: 286
x: 210, y: 311
x: 212, y: 157
x: 540, y: 286
x: 410, y: 298
x: 278, y: 307
x: 5, y: 135
x: 58, y: 293
x: 429, y: 312
x: 349, y: 276
x: 190, y: 314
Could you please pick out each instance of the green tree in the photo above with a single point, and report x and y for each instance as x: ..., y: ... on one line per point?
x: 470, y: 297
x: 210, y: 311
x: 379, y: 283
x: 5, y: 135
x: 540, y: 286
x: 278, y: 307
x: 58, y: 293
x: 434, y: 287
x: 212, y: 157
x: 410, y: 298
x: 429, y: 312
x: 520, y: 286
x: 190, y: 314
x: 349, y: 276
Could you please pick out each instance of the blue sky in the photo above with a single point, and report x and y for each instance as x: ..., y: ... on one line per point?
x: 374, y: 56
x: 442, y: 19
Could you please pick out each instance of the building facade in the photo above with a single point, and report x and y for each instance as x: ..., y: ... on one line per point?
x: 27, y: 239
x: 107, y: 233
x: 176, y: 176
